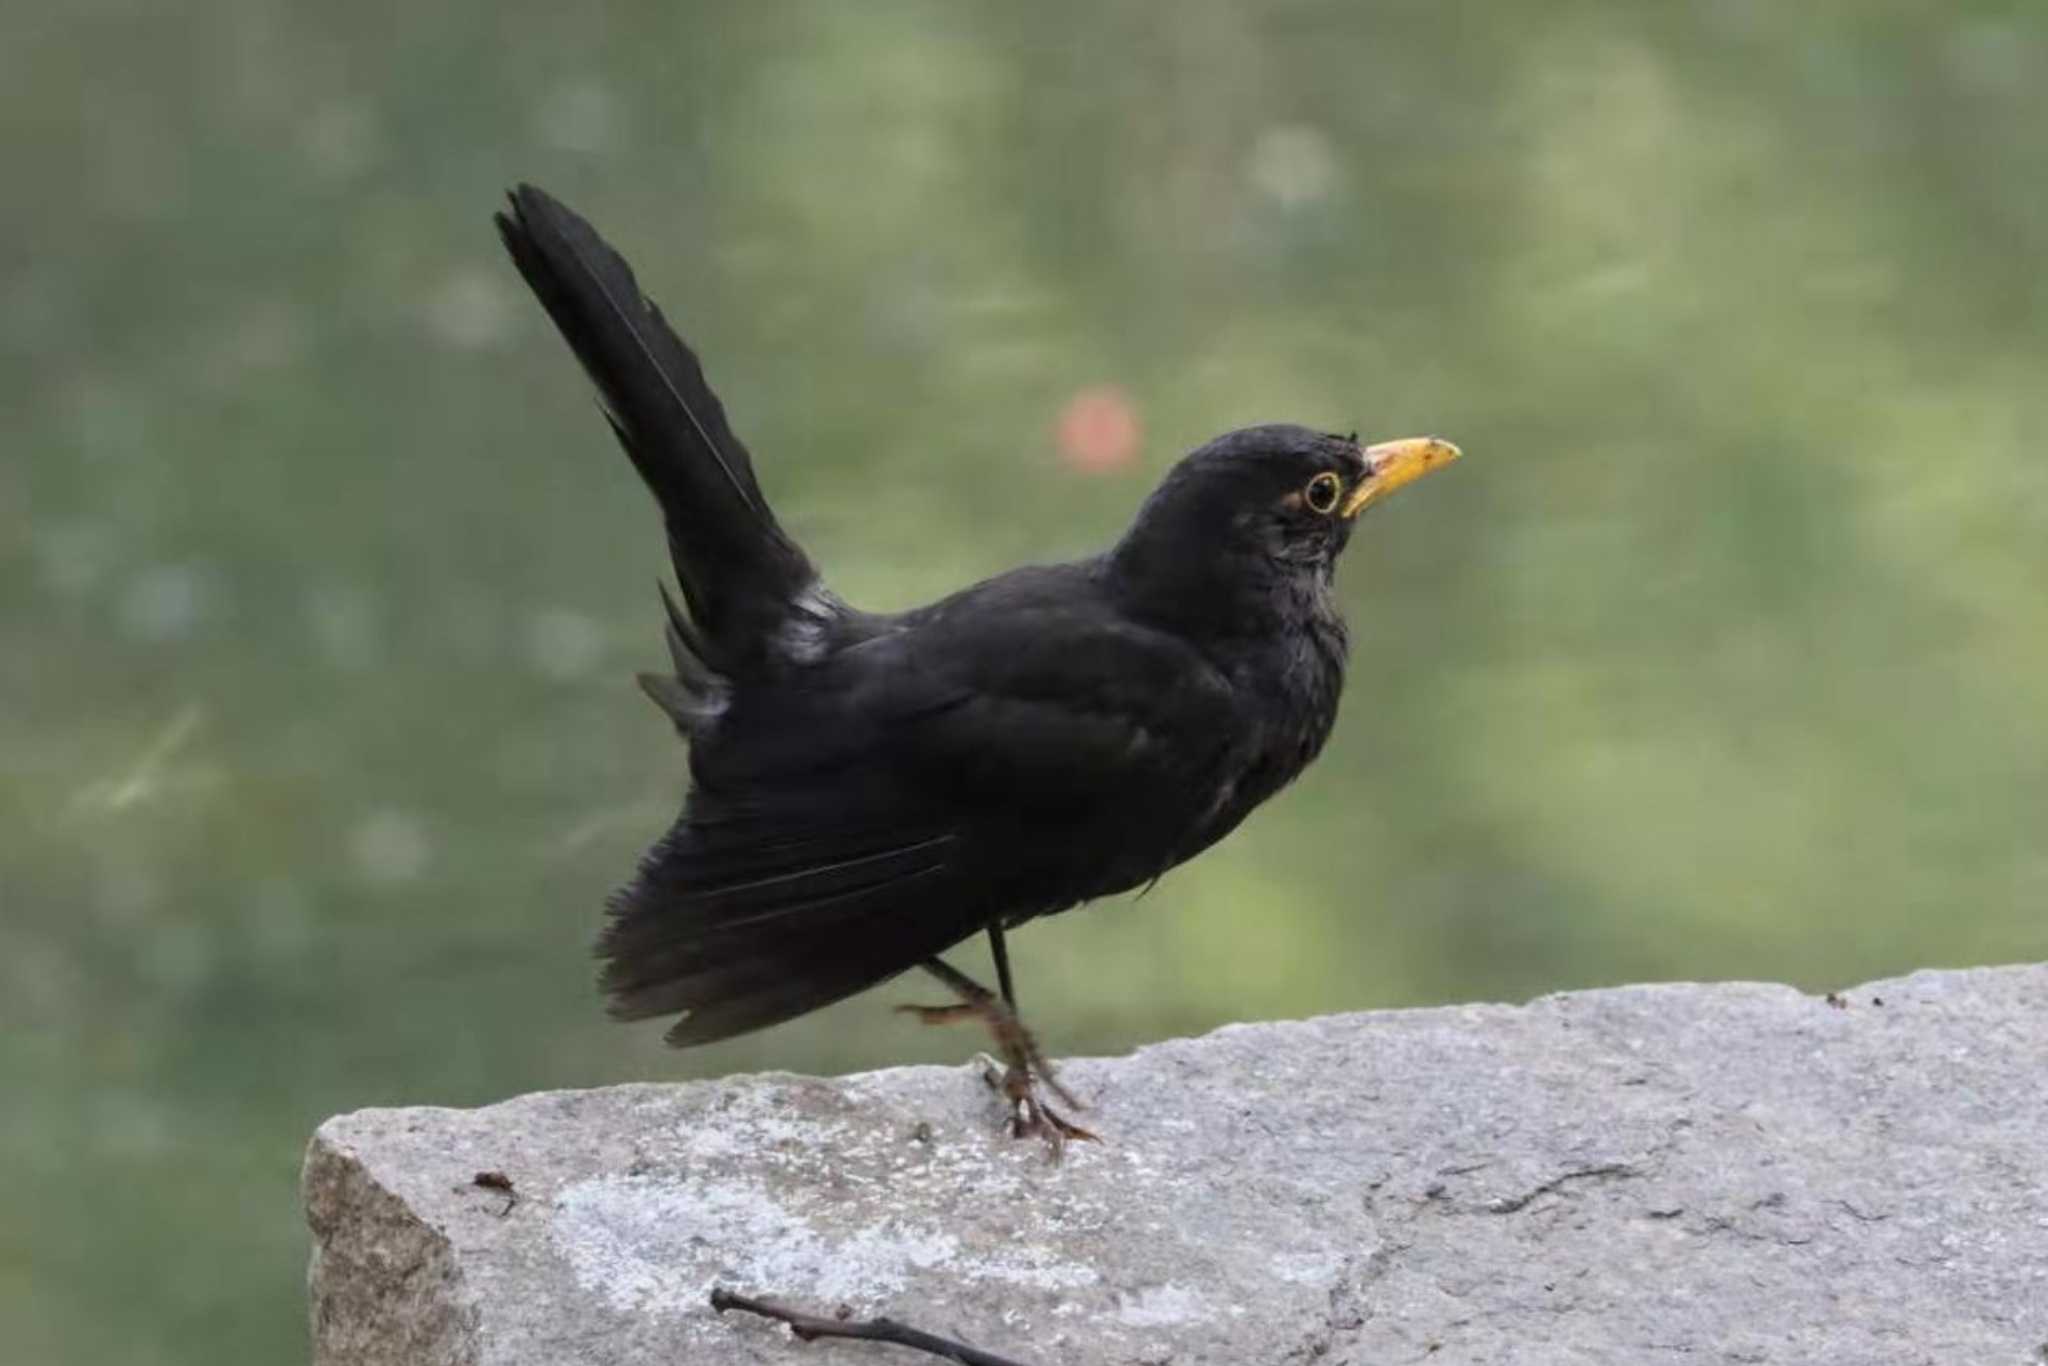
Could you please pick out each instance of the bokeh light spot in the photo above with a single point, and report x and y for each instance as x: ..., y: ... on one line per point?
x: 1099, y: 431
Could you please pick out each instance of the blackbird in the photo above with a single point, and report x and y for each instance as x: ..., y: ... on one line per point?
x: 867, y: 789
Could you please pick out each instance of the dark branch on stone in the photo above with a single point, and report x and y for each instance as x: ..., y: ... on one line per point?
x: 810, y: 1327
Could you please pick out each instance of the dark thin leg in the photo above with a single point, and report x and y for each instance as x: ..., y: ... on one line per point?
x: 810, y: 1326
x: 963, y: 986
x: 1021, y: 1056
x: 999, y: 949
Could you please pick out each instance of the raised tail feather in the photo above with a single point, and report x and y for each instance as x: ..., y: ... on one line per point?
x: 741, y: 575
x: 754, y: 911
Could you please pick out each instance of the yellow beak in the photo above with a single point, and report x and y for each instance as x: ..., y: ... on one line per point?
x: 1391, y: 464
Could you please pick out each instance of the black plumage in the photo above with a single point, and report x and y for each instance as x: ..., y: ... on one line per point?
x: 868, y: 790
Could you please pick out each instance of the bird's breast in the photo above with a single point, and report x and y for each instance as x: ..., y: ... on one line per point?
x: 1295, y: 691
x: 1288, y: 691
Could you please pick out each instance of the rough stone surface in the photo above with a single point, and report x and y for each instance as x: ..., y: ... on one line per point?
x: 1728, y: 1173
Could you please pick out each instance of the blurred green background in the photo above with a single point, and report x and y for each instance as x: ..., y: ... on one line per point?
x: 321, y: 584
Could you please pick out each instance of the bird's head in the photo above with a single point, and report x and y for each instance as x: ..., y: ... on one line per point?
x: 1260, y: 505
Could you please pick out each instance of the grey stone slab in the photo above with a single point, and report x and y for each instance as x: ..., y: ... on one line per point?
x: 1680, y: 1173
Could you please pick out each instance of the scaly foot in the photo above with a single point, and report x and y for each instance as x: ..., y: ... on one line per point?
x: 1017, y: 1075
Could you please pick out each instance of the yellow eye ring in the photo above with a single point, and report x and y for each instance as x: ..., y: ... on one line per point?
x: 1322, y: 493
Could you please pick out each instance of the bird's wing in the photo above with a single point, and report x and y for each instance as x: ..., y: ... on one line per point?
x: 751, y: 912
x: 1065, y: 708
x: 857, y: 821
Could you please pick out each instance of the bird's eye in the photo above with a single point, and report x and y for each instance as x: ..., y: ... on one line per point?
x: 1322, y: 493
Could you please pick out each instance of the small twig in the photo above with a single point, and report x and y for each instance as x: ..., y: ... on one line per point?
x: 810, y: 1327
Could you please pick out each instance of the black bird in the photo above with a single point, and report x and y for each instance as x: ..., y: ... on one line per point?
x: 868, y: 789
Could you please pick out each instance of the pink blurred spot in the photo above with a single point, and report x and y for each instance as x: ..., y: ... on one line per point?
x: 1098, y: 430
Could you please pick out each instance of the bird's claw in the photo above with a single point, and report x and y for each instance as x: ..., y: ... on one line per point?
x: 1031, y: 1117
x: 1021, y: 1067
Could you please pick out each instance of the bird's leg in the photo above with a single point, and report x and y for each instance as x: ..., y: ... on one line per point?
x: 1018, y: 1046
x: 1023, y: 1063
x: 999, y: 952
